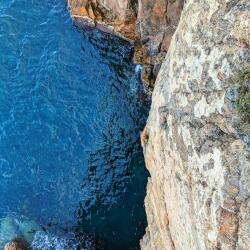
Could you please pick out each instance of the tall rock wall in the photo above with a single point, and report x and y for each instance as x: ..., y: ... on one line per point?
x: 198, y: 193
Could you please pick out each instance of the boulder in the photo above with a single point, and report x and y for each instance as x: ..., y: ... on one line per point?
x: 17, y: 244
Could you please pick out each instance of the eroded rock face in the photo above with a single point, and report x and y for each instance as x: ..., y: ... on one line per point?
x: 198, y: 193
x: 117, y: 17
x: 150, y: 24
x: 156, y: 23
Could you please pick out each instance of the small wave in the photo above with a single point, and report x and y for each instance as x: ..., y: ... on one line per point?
x: 138, y: 68
x: 6, y: 4
x: 45, y: 241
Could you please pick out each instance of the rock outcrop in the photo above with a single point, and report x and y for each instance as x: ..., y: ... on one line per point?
x: 198, y: 193
x: 17, y: 244
x: 17, y: 232
x: 116, y: 17
x: 148, y: 24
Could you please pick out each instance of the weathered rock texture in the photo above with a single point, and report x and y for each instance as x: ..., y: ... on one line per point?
x: 156, y: 23
x: 150, y: 24
x: 198, y: 193
x: 114, y: 16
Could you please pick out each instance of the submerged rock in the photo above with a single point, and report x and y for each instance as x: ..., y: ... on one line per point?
x: 17, y: 244
x: 8, y: 230
x: 20, y: 230
x: 28, y: 229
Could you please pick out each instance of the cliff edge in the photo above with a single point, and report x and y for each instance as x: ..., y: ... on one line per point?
x: 198, y: 193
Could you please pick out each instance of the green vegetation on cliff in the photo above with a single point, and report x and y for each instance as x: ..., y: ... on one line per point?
x: 242, y: 84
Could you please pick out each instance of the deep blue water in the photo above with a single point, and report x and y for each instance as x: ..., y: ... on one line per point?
x: 70, y: 114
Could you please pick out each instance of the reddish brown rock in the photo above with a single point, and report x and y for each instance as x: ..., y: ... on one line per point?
x: 229, y: 223
x: 17, y: 244
x: 149, y: 23
x: 117, y: 17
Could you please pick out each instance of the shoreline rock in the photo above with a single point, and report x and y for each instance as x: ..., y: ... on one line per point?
x: 17, y: 244
x: 148, y: 24
x: 17, y: 231
x: 117, y: 18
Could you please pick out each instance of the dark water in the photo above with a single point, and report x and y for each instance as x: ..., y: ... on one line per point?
x: 70, y: 116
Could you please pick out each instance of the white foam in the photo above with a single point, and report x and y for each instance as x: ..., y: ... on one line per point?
x: 138, y: 68
x: 45, y: 241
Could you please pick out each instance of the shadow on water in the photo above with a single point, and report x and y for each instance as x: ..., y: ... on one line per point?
x: 113, y: 211
x: 71, y: 109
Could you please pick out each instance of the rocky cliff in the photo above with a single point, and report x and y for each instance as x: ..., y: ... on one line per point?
x: 198, y: 158
x: 198, y: 193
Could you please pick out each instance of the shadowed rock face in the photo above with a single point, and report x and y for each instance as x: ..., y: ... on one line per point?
x: 198, y: 193
x: 156, y: 23
x: 149, y: 24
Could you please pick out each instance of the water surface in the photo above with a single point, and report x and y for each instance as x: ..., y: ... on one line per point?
x: 70, y: 115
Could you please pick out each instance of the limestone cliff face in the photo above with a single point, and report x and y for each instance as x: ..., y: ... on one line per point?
x: 156, y: 23
x: 198, y: 193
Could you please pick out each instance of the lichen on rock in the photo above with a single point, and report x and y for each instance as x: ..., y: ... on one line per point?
x: 241, y: 82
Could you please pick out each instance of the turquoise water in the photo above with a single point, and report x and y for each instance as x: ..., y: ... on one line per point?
x: 71, y: 109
